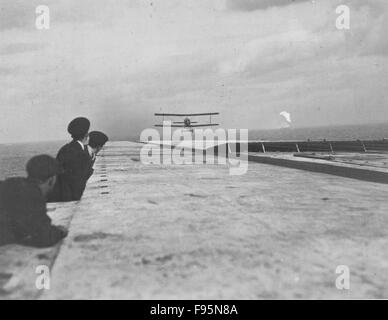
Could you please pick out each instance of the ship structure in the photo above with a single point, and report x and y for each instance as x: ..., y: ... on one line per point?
x: 304, y: 216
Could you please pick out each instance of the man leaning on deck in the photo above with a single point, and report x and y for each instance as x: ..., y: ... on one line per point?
x: 76, y: 163
x: 23, y: 213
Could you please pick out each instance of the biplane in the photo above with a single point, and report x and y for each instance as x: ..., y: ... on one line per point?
x: 186, y: 122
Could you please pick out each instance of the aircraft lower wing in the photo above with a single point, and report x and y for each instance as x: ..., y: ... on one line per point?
x: 188, y: 127
x: 204, y: 125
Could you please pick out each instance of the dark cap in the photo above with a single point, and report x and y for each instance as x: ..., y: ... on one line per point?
x: 79, y: 127
x: 43, y: 167
x: 97, y: 139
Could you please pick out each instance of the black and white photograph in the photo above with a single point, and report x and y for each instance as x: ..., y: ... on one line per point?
x: 193, y: 151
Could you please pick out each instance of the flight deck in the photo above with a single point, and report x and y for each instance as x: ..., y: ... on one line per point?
x: 196, y: 232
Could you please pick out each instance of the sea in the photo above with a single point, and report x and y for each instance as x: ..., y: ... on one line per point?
x: 14, y: 156
x: 344, y: 132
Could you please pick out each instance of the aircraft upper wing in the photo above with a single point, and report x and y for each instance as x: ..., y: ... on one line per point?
x: 187, y: 114
x: 177, y: 122
x: 191, y: 126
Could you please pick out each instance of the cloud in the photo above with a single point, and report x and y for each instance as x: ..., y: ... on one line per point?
x: 20, y: 14
x: 120, y: 61
x: 251, y: 5
x: 16, y: 14
x: 18, y: 48
x: 313, y: 36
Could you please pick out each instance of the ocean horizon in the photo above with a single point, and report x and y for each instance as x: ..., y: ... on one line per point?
x: 14, y: 156
x: 377, y: 131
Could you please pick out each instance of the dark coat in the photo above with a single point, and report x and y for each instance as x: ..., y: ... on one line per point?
x: 77, y: 166
x: 6, y: 234
x: 23, y: 215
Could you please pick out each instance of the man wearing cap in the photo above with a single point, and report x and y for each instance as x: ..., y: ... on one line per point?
x: 75, y: 160
x: 97, y: 140
x: 23, y: 213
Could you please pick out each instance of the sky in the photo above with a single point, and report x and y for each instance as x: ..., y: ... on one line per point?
x: 119, y: 61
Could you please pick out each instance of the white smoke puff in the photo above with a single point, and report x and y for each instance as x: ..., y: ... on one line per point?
x: 286, y: 115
